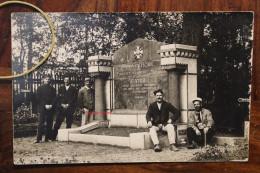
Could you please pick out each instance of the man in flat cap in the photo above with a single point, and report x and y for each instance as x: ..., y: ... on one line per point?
x: 158, y: 118
x: 200, y: 122
x: 86, y: 102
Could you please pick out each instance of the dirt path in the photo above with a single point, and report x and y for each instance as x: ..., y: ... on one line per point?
x: 26, y: 152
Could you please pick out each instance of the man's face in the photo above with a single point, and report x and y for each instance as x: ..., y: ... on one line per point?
x: 66, y: 81
x: 47, y: 80
x: 197, y: 105
x: 87, y: 83
x: 159, y: 97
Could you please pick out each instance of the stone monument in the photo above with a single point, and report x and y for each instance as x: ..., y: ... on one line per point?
x: 124, y: 83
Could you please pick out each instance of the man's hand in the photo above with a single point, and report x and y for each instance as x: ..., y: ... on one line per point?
x: 149, y: 124
x: 197, y: 132
x: 169, y: 121
x: 160, y: 126
x: 200, y: 126
x: 65, y: 106
x: 206, y: 130
x: 48, y: 107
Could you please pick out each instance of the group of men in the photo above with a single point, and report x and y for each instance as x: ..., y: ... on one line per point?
x: 200, y: 123
x: 63, y: 105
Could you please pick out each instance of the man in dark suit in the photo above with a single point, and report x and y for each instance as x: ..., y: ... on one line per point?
x: 158, y: 118
x: 67, y: 99
x: 200, y: 123
x: 46, y: 101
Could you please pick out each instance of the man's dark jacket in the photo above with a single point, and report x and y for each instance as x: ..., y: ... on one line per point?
x: 46, y: 95
x: 68, y: 97
x: 161, y: 116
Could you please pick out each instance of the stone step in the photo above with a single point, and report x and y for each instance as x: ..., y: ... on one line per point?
x: 63, y: 134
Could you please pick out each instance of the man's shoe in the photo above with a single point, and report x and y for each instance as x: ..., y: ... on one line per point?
x: 190, y: 146
x: 157, y: 148
x: 48, y: 140
x: 195, y: 145
x: 173, y: 148
x: 36, y: 142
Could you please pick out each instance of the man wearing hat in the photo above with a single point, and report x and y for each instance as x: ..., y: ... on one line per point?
x: 46, y: 101
x: 158, y: 118
x: 86, y: 102
x: 200, y: 122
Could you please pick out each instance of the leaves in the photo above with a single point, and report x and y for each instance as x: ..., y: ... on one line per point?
x: 23, y: 115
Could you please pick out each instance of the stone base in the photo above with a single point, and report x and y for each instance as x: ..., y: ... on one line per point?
x: 246, y: 129
x: 140, y: 140
x: 100, y: 139
x: 63, y: 135
x: 133, y: 118
x: 104, y: 123
x: 143, y: 141
x: 90, y: 126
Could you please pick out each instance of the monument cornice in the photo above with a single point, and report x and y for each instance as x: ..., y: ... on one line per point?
x: 100, y: 74
x: 175, y: 67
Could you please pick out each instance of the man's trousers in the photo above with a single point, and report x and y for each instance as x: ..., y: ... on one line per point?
x: 87, y: 116
x: 170, y: 131
x: 63, y: 113
x: 45, y: 116
x: 199, y: 139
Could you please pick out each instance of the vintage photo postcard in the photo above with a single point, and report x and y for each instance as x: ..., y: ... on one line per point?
x: 132, y: 87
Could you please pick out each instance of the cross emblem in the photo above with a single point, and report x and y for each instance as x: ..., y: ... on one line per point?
x: 138, y: 52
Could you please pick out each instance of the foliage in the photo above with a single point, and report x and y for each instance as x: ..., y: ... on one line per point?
x: 238, y: 152
x: 77, y: 116
x: 23, y: 115
x: 164, y: 26
x: 225, y: 71
x: 213, y: 153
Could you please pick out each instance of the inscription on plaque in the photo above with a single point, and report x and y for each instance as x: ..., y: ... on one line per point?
x: 136, y: 78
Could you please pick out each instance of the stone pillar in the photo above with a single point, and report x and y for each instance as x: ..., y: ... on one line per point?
x: 174, y: 88
x: 180, y: 61
x: 100, y: 67
x: 100, y: 104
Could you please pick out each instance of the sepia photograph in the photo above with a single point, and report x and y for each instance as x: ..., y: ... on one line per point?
x: 132, y: 87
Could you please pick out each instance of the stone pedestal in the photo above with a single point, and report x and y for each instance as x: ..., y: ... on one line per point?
x: 99, y: 67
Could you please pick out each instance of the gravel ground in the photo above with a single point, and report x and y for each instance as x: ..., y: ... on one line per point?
x: 26, y: 152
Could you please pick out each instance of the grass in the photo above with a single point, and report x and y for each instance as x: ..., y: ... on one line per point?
x: 118, y: 131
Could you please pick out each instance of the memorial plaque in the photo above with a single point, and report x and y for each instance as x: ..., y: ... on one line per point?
x: 137, y: 74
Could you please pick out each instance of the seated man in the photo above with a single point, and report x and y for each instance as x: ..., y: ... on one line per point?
x: 200, y: 122
x: 158, y: 119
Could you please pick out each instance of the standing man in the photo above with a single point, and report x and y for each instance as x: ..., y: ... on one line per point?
x: 46, y: 100
x: 158, y: 118
x: 86, y: 102
x: 200, y: 122
x: 67, y: 99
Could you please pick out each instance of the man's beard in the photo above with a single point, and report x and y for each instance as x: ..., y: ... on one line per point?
x: 198, y: 109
